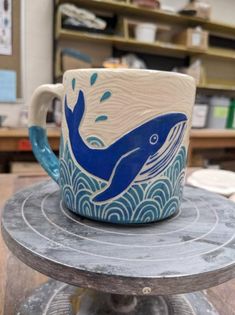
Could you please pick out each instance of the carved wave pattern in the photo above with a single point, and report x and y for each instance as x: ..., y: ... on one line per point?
x: 141, y: 203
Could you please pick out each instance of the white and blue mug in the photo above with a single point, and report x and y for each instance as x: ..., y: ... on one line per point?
x: 124, y: 142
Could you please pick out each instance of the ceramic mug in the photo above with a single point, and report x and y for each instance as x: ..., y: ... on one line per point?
x: 124, y: 142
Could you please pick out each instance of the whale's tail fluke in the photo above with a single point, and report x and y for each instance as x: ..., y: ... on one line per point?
x: 74, y: 117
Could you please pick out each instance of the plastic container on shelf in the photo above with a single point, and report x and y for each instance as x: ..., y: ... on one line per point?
x: 145, y: 32
x: 218, y: 113
x: 231, y: 115
x: 200, y: 112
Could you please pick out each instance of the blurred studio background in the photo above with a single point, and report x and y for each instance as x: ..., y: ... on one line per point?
x: 39, y: 40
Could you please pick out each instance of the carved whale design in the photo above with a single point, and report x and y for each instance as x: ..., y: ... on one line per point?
x: 137, y: 156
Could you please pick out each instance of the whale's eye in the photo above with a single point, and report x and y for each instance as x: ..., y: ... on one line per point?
x: 153, y: 139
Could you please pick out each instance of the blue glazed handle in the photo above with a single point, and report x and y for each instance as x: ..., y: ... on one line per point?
x: 40, y: 102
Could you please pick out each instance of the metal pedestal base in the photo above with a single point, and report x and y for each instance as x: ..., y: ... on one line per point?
x: 61, y: 299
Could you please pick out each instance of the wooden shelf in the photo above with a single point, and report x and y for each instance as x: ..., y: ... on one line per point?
x: 157, y: 47
x: 11, y: 140
x: 209, y: 139
x: 54, y: 132
x: 212, y: 139
x: 23, y: 132
x: 168, y: 49
x: 157, y: 15
x: 209, y: 87
x: 212, y: 133
x: 220, y: 53
x: 217, y: 87
x: 204, y: 139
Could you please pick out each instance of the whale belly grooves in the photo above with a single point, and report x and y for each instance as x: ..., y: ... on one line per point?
x: 161, y: 160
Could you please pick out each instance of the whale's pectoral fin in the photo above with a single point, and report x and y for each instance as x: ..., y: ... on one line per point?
x: 124, y: 173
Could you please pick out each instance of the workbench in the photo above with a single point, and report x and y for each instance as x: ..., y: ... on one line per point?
x: 16, y: 140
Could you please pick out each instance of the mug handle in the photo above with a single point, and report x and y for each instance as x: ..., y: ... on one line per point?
x: 41, y: 99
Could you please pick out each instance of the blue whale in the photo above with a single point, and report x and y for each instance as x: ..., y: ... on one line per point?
x: 137, y: 156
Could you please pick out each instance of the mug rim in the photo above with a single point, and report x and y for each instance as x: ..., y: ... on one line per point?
x: 137, y: 71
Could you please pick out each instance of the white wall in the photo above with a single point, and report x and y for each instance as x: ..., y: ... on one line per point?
x: 38, y: 44
x: 222, y: 10
x: 37, y: 39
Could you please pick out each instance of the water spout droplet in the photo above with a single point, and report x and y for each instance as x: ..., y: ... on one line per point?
x: 101, y: 118
x: 105, y: 96
x: 93, y: 78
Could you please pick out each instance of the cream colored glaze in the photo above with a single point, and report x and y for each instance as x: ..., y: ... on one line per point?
x: 137, y: 96
x: 41, y: 99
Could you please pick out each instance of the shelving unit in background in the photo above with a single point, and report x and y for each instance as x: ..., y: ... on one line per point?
x: 126, y: 9
x: 222, y: 58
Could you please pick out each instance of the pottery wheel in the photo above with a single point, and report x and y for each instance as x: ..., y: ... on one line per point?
x: 61, y: 299
x: 134, y: 268
x: 190, y: 251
